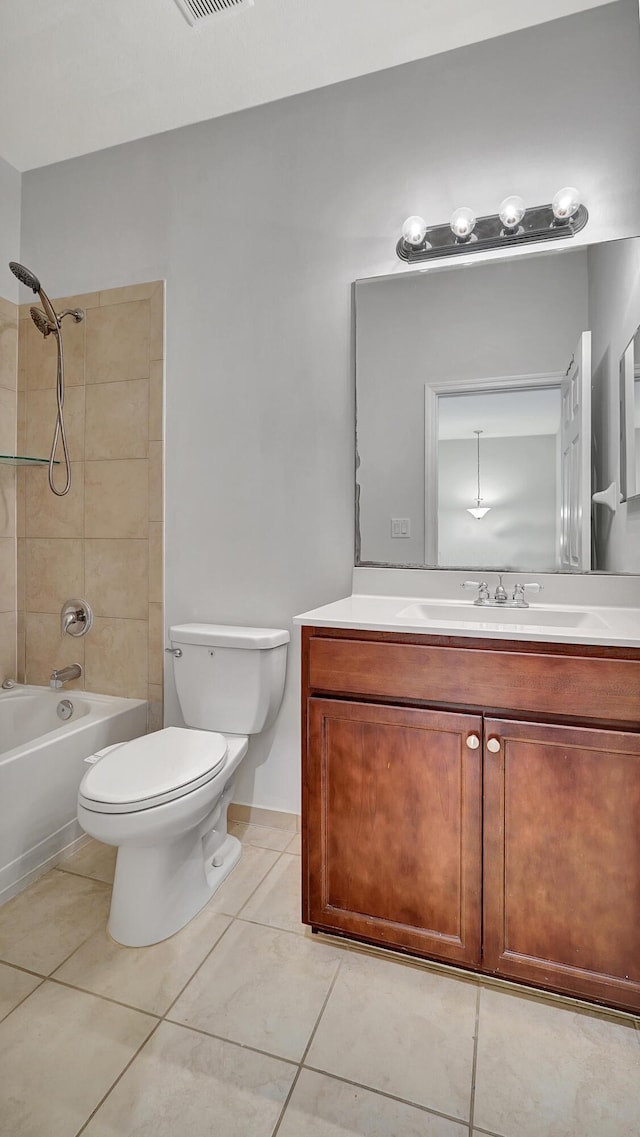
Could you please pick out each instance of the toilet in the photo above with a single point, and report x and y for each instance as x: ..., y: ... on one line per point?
x: 163, y: 798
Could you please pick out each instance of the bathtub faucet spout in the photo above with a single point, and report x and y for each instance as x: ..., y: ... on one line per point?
x: 74, y: 671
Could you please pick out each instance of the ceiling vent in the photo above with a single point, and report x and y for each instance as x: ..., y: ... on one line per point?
x: 197, y: 11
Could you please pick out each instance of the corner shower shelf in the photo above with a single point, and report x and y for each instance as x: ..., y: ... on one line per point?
x: 21, y: 460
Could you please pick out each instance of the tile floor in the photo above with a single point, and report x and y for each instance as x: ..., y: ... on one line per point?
x: 244, y: 1025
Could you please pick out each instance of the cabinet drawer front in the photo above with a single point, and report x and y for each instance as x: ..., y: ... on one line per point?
x: 593, y: 688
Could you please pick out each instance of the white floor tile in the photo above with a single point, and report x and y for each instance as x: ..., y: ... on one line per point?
x: 278, y: 900
x: 148, y: 978
x: 323, y: 1107
x: 183, y: 1083
x: 41, y: 926
x: 60, y: 1051
x: 402, y: 1030
x: 94, y: 860
x: 14, y: 987
x: 252, y: 867
x: 549, y: 1070
x: 261, y: 987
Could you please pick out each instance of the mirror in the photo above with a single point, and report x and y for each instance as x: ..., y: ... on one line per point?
x: 630, y: 419
x: 497, y: 352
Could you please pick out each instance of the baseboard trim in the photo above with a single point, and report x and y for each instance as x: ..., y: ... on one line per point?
x: 273, y: 818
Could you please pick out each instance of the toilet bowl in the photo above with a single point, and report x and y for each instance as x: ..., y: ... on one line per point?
x: 163, y: 798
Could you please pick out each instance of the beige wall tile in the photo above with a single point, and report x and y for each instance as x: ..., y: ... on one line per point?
x: 42, y: 355
x: 21, y: 424
x: 155, y: 717
x: 156, y: 552
x: 116, y: 656
x: 116, y: 499
x: 80, y: 300
x: 118, y: 342
x: 23, y: 332
x: 42, y: 411
x: 21, y: 572
x: 8, y: 593
x: 117, y: 419
x: 156, y: 400
x: 156, y: 512
x: 7, y: 501
x: 54, y: 573
x: 7, y: 646
x: 21, y: 501
x: 156, y: 643
x: 8, y: 344
x: 129, y: 293
x: 8, y: 420
x: 46, y: 649
x: 51, y: 516
x: 117, y: 577
x: 21, y: 646
x: 156, y: 335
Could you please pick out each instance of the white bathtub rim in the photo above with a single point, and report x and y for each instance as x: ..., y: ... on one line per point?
x: 100, y: 707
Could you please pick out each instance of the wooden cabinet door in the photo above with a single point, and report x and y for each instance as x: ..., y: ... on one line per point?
x: 392, y: 803
x: 562, y: 859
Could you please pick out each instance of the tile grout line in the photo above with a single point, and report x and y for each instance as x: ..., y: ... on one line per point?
x: 24, y: 998
x: 392, y: 1097
x: 200, y: 965
x: 230, y: 1041
x: 118, y: 1079
x: 294, y: 1083
x: 474, y: 1065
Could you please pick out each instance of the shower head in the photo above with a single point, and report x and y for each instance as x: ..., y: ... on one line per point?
x: 41, y: 322
x: 25, y: 276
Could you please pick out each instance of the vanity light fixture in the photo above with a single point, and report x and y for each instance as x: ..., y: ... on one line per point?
x: 478, y: 511
x: 514, y: 224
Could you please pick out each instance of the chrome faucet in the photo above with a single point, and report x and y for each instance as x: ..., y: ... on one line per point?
x: 500, y: 598
x: 64, y: 675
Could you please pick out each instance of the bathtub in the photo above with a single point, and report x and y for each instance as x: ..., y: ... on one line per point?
x: 42, y: 760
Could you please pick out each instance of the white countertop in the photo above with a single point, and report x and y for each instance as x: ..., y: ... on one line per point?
x: 548, y: 623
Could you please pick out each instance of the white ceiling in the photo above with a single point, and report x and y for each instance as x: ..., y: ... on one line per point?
x: 81, y: 75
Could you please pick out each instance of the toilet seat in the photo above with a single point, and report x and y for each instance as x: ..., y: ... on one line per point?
x: 152, y: 769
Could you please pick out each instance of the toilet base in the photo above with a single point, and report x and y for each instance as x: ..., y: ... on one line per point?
x: 159, y: 889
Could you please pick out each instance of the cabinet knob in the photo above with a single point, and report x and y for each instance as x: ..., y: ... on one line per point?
x: 473, y: 741
x: 493, y: 744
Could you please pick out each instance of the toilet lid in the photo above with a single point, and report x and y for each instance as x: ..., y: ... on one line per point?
x: 153, y: 768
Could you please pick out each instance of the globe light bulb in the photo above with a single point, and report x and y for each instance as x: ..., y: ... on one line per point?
x: 566, y: 203
x: 462, y: 223
x: 511, y: 212
x: 414, y: 231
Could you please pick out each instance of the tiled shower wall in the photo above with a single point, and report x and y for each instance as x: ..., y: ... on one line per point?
x: 103, y: 541
x: 8, y: 413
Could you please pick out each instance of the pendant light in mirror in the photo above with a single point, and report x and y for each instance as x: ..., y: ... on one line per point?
x: 478, y: 511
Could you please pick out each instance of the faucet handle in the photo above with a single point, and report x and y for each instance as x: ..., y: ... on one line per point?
x: 518, y: 592
x: 481, y: 585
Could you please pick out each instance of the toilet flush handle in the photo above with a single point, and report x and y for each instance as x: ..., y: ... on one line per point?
x: 175, y: 651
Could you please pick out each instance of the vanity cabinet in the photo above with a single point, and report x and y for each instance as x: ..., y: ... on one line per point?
x: 477, y: 802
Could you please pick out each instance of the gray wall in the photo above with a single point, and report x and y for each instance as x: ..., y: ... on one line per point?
x: 10, y: 187
x: 614, y: 305
x: 519, y: 481
x: 260, y: 221
x: 522, y: 317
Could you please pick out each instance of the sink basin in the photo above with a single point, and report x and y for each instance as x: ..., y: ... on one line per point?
x: 434, y: 613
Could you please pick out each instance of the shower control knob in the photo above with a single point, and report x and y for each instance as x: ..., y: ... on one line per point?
x: 493, y: 744
x: 473, y: 741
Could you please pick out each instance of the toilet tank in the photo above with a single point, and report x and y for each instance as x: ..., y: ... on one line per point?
x: 229, y: 679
